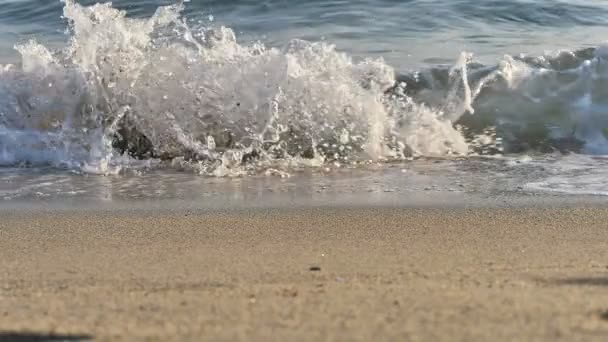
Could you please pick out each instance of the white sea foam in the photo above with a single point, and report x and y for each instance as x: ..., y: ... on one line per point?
x: 198, y: 94
x: 159, y: 89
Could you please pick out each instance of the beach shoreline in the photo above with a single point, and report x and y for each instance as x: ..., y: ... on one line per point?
x: 306, y: 273
x: 303, y: 170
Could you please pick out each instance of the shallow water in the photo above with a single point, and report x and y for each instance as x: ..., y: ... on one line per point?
x: 142, y: 98
x: 505, y: 182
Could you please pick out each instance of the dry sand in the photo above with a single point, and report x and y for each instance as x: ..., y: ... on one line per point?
x: 308, y: 274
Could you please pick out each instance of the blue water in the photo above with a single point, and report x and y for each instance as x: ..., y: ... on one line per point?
x: 408, y: 34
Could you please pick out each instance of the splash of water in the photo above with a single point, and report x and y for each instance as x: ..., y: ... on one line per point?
x: 157, y: 89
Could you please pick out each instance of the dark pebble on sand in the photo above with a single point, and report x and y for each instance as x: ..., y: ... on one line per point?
x: 604, y: 315
x: 315, y: 268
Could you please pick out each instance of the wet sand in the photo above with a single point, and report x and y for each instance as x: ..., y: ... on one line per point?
x: 306, y: 274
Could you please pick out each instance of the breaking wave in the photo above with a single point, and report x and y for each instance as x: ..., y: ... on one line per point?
x: 129, y: 93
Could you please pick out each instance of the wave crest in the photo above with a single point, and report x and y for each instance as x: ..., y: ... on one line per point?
x: 158, y: 89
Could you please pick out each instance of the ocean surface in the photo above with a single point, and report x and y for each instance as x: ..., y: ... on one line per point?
x: 160, y: 99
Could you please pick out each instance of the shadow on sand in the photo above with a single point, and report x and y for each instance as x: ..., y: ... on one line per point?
x: 34, y: 337
x: 584, y: 281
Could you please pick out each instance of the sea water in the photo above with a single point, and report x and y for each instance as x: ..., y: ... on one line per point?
x: 143, y: 95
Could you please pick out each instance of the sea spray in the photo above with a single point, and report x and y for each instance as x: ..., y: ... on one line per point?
x: 157, y: 88
x: 126, y: 92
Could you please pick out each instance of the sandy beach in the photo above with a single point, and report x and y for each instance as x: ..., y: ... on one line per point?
x: 321, y: 170
x: 357, y: 274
